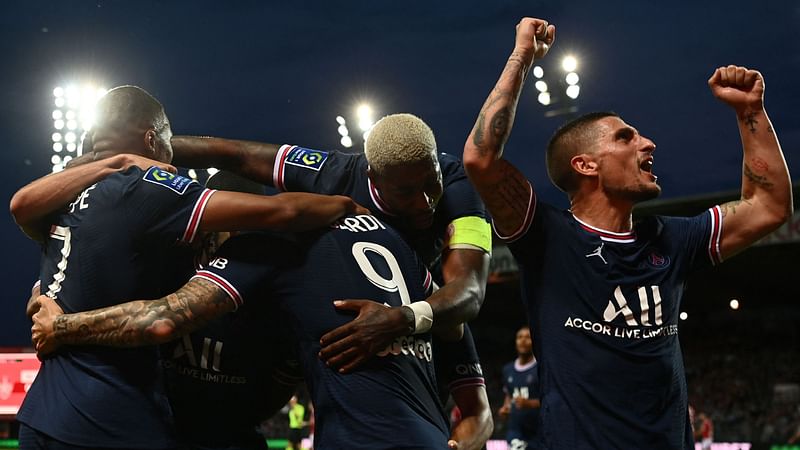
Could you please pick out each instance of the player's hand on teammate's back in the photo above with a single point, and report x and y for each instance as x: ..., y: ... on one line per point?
x: 360, y: 210
x: 738, y: 87
x: 376, y: 325
x: 42, y: 331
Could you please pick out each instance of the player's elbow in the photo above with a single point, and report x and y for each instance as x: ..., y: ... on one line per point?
x: 474, y: 162
x: 19, y: 207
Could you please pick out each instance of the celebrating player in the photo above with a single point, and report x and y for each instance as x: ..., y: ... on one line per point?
x: 603, y: 293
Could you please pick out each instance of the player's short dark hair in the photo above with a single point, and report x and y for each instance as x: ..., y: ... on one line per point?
x: 229, y: 181
x: 124, y: 107
x: 572, y: 138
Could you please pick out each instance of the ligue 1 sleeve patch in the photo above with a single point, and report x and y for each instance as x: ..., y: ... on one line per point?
x: 171, y: 181
x: 306, y: 158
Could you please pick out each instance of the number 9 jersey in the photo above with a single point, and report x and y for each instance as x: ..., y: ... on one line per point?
x: 389, y: 403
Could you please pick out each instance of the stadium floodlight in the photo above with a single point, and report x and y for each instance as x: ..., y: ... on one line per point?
x: 734, y: 304
x: 573, y: 91
x: 74, y: 115
x: 364, y: 115
x: 346, y: 141
x: 340, y: 120
x: 544, y: 98
x: 572, y: 78
x: 569, y: 64
x: 343, y: 131
x: 55, y: 159
x: 538, y: 72
x: 683, y: 315
x: 541, y: 86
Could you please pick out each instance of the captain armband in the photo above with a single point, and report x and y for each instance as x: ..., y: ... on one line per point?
x: 469, y: 232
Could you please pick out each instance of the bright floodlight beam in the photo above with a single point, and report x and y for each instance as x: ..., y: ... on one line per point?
x: 538, y: 72
x: 364, y: 114
x: 734, y: 304
x: 541, y: 86
x: 569, y: 64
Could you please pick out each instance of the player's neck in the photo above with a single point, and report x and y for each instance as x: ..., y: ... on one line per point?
x: 603, y: 212
x: 524, y: 359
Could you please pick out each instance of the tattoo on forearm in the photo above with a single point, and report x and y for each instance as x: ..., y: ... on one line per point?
x: 757, y: 179
x: 500, y: 124
x: 751, y: 121
x: 136, y: 323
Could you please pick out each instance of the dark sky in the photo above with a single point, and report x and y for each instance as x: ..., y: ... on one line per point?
x: 281, y: 72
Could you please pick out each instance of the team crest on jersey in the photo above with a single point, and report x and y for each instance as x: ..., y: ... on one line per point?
x: 171, y: 181
x: 656, y: 259
x: 306, y: 158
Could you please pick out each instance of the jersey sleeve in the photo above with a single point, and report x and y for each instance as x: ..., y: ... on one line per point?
x: 463, y: 209
x: 697, y: 238
x: 307, y: 170
x: 457, y: 363
x: 241, y: 266
x: 164, y: 207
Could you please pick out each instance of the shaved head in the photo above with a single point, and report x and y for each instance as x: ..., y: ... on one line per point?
x: 573, y: 138
x: 129, y: 119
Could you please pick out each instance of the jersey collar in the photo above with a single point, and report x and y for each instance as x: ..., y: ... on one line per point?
x: 377, y: 200
x: 523, y: 367
x: 605, y: 235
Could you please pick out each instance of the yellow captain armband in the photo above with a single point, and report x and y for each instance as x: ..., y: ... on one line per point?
x: 469, y: 232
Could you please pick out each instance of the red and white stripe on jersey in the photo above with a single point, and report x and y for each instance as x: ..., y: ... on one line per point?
x: 428, y: 282
x: 197, y: 214
x: 223, y: 284
x: 714, y: 253
x: 465, y: 382
x: 608, y: 236
x: 279, y: 168
x: 526, y: 224
x: 377, y: 200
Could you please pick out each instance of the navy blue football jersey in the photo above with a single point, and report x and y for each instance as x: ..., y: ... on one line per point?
x: 301, y: 169
x: 122, y: 238
x: 457, y: 364
x: 390, y: 402
x: 521, y: 381
x: 603, y: 310
x: 220, y: 378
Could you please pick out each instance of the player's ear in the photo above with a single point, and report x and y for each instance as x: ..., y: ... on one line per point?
x: 151, y: 143
x: 584, y: 164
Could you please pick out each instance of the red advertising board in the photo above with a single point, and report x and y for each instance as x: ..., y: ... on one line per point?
x: 17, y: 372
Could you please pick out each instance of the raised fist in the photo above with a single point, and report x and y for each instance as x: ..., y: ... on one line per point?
x: 535, y: 35
x: 739, y: 87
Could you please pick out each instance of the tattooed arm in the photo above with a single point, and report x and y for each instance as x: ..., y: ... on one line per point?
x: 132, y: 324
x: 766, y: 200
x: 502, y: 186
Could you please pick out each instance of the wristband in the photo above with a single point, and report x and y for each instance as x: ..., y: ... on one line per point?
x: 423, y: 316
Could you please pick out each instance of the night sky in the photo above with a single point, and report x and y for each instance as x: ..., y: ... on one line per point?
x: 281, y: 73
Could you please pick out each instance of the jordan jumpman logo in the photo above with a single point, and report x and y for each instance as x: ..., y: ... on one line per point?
x: 598, y: 252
